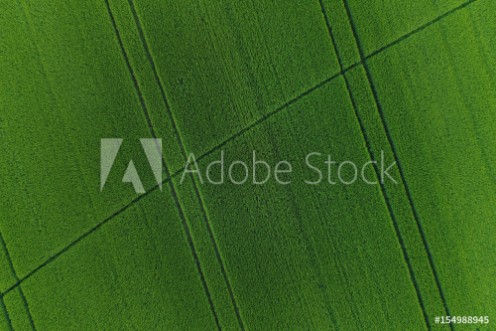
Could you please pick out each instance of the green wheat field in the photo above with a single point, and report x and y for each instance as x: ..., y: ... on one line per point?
x: 411, y: 81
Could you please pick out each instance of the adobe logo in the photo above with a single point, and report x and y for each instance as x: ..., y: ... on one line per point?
x: 109, y: 148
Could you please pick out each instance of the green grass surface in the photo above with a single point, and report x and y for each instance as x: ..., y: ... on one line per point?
x: 352, y: 78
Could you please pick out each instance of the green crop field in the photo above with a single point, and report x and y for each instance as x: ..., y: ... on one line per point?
x: 248, y: 225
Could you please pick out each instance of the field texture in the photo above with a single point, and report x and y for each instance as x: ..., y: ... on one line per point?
x: 412, y: 82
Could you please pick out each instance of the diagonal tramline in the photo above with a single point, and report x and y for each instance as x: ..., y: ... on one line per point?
x: 175, y: 128
x: 184, y: 223
x: 371, y: 153
x: 228, y: 140
x: 392, y: 145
